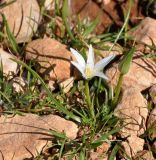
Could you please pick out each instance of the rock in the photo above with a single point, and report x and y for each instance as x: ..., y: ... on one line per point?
x: 146, y: 155
x: 9, y: 66
x: 66, y: 156
x: 133, y: 145
x: 93, y: 156
x: 49, y: 4
x: 53, y: 58
x: 154, y: 147
x: 96, y: 156
x: 103, y: 148
x: 24, y: 136
x: 141, y: 75
x: 132, y: 110
x: 112, y: 10
x: 85, y: 8
x: 67, y: 85
x: 152, y: 93
x: 105, y: 2
x: 18, y: 84
x: 151, y: 123
x: 23, y: 18
x: 109, y: 12
x: 145, y: 32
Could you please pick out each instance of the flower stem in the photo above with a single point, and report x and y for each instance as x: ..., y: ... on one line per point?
x: 88, y: 100
x: 117, y: 90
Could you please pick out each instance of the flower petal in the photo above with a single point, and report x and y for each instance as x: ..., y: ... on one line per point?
x: 103, y: 62
x: 101, y: 75
x: 90, y: 59
x: 79, y: 67
x: 78, y: 57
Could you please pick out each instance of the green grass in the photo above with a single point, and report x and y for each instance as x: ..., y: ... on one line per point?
x: 90, y: 104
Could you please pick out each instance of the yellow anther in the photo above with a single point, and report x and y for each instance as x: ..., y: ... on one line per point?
x: 89, y: 72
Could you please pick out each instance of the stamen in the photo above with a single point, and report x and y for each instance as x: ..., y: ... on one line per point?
x: 89, y: 72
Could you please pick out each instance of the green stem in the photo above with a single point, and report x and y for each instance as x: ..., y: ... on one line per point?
x: 89, y: 103
x: 65, y: 16
x: 117, y: 90
x: 123, y: 26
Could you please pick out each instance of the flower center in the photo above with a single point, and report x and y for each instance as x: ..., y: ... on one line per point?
x: 89, y: 72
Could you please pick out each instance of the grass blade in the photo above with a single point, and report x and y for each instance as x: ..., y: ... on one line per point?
x: 124, y: 25
x: 65, y: 15
x: 125, y: 64
x: 10, y: 36
x: 114, y: 151
x: 58, y: 106
x: 91, y: 27
x: 104, y: 137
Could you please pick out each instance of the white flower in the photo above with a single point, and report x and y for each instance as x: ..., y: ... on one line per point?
x: 90, y: 69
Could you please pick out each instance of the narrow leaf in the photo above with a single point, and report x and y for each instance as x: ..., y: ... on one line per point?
x: 58, y: 106
x: 10, y: 36
x: 114, y: 152
x: 126, y: 62
x: 65, y: 15
x: 91, y: 27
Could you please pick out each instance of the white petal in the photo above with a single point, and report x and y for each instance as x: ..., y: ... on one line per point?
x: 90, y: 59
x: 101, y: 75
x: 79, y: 67
x: 78, y: 57
x: 102, y: 63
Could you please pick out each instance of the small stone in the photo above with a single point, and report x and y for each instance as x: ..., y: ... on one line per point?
x: 145, y: 155
x: 97, y: 156
x: 52, y: 85
x: 52, y: 57
x: 141, y: 74
x: 132, y: 110
x: 18, y: 84
x: 105, y: 2
x: 67, y: 85
x: 49, y: 4
x: 103, y: 148
x: 133, y: 145
x: 9, y: 66
x: 145, y: 32
x: 25, y: 136
x: 23, y: 17
x: 93, y: 156
x: 148, y: 155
